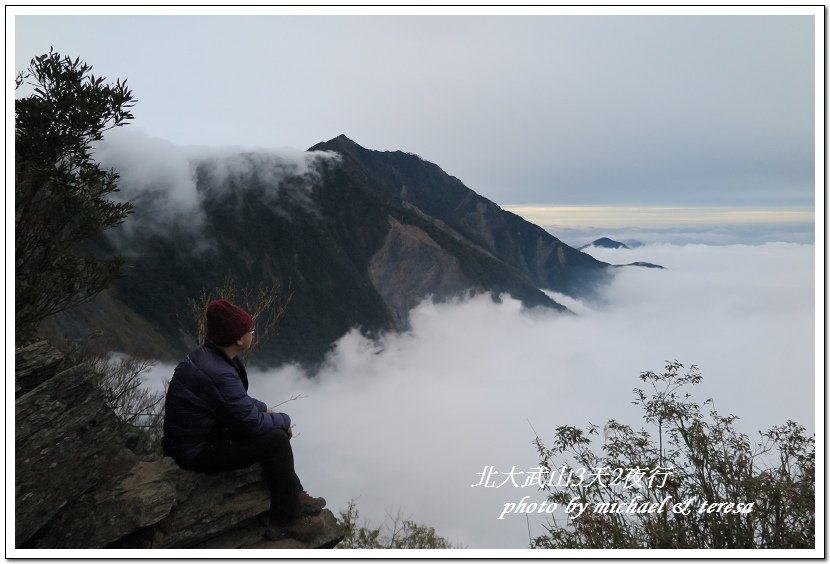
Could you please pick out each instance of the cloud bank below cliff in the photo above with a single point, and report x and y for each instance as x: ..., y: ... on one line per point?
x: 407, y: 422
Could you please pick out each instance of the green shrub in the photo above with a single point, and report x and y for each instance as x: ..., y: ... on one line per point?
x: 62, y: 195
x: 708, y: 461
x: 396, y: 532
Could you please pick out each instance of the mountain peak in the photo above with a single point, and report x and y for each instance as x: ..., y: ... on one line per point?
x: 340, y: 142
x: 342, y: 139
x: 606, y: 243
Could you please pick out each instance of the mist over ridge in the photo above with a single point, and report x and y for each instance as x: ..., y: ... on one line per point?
x: 358, y: 236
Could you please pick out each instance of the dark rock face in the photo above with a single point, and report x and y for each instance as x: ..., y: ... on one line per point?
x: 405, y: 182
x: 411, y: 265
x: 78, y: 486
x: 34, y: 364
x: 66, y: 440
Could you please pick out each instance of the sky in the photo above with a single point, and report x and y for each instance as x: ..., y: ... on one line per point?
x: 647, y: 110
x: 404, y: 424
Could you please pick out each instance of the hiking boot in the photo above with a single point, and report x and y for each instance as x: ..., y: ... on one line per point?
x: 311, y: 505
x: 303, y: 528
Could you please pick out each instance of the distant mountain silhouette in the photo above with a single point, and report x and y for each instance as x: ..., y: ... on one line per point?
x: 641, y: 264
x: 606, y: 243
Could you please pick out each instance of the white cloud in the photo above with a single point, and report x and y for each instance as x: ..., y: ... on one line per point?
x: 155, y: 175
x: 406, y: 423
x: 160, y: 177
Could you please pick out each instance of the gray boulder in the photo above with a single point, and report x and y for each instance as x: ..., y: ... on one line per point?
x: 34, y: 364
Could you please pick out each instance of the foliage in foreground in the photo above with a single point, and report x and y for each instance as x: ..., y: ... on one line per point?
x: 124, y: 392
x: 710, y: 463
x: 396, y: 532
x: 120, y: 379
x: 62, y: 196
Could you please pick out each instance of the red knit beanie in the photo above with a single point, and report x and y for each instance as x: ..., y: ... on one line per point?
x: 227, y: 323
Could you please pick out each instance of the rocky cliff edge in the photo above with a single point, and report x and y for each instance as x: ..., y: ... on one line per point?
x: 79, y: 483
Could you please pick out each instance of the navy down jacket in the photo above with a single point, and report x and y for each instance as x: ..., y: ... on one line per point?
x: 207, y: 398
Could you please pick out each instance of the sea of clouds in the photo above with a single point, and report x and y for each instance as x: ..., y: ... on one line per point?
x: 405, y: 424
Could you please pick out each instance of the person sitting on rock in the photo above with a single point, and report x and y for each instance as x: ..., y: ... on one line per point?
x: 212, y: 425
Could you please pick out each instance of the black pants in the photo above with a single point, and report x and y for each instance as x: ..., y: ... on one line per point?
x: 273, y: 450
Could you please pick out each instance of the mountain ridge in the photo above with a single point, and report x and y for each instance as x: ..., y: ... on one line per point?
x: 361, y: 241
x: 478, y: 219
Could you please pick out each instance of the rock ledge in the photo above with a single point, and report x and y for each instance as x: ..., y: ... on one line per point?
x: 78, y: 485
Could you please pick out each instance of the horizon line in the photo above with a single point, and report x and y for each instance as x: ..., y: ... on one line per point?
x: 625, y: 214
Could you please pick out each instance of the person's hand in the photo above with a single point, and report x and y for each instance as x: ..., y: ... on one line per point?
x: 268, y: 410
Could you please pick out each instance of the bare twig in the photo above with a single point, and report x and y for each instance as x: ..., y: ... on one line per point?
x: 296, y: 397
